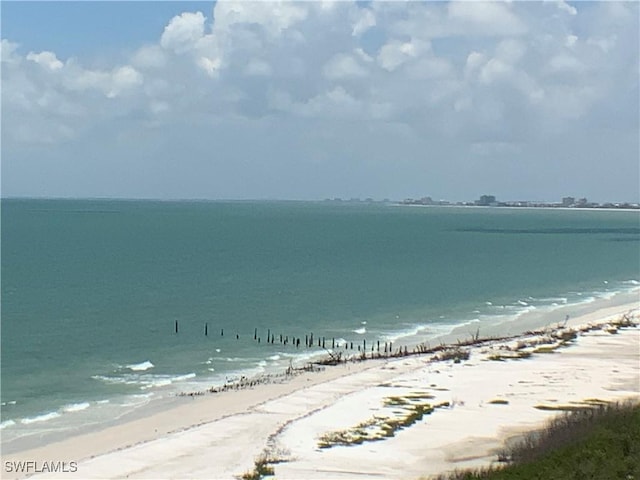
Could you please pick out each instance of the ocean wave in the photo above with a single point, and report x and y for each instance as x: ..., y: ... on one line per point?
x: 40, y: 418
x: 6, y: 423
x: 140, y: 367
x: 360, y: 331
x: 274, y: 357
x: 137, y: 400
x: 76, y: 407
x: 164, y: 380
x: 10, y: 402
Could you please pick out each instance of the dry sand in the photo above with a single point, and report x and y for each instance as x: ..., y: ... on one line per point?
x: 219, y: 436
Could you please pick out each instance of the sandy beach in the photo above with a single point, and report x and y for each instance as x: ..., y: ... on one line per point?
x: 405, y: 417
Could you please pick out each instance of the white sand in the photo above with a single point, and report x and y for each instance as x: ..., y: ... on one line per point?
x: 219, y: 436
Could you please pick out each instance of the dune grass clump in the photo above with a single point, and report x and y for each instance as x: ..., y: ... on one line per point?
x: 517, y: 355
x: 263, y: 466
x: 260, y: 470
x: 456, y: 354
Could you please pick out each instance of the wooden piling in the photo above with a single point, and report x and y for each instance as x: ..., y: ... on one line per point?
x: 176, y: 326
x: 255, y: 333
x: 206, y: 329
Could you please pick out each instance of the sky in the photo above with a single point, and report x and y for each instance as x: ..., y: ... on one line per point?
x: 317, y: 99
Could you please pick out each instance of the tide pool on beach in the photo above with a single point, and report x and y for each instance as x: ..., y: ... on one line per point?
x: 92, y: 289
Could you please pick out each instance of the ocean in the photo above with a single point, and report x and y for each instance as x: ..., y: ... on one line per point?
x: 92, y: 290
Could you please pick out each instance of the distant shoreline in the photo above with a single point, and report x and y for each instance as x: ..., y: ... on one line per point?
x: 542, y: 205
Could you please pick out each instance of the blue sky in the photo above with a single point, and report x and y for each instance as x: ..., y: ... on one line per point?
x: 307, y: 100
x: 87, y: 28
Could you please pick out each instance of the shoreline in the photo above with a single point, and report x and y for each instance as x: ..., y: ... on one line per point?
x: 288, y: 416
x: 490, y: 325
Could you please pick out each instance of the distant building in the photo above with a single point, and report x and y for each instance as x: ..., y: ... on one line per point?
x: 568, y: 201
x: 487, y: 200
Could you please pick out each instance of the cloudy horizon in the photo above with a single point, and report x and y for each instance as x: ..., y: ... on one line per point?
x: 313, y: 100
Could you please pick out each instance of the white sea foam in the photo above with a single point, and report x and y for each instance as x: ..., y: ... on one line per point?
x: 76, y: 407
x: 137, y: 400
x: 40, y: 418
x: 187, y: 376
x: 274, y: 357
x: 163, y: 380
x: 360, y: 331
x: 6, y: 423
x: 140, y: 367
x: 363, y: 322
x: 10, y: 402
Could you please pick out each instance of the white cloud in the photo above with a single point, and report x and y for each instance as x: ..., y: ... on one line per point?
x: 343, y: 66
x: 258, y: 68
x: 274, y: 17
x: 487, y: 18
x: 395, y: 53
x: 46, y: 59
x: 565, y: 7
x: 571, y: 41
x: 604, y: 44
x: 510, y: 50
x: 111, y: 83
x: 474, y: 61
x: 7, y: 53
x: 183, y: 32
x: 366, y: 19
x: 149, y: 57
x: 562, y: 63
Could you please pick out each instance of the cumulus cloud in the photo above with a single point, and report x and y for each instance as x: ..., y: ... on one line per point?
x: 183, y: 32
x: 343, y: 66
x: 484, y: 73
x: 45, y: 59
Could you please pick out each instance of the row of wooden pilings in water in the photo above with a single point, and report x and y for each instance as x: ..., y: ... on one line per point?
x: 322, y: 342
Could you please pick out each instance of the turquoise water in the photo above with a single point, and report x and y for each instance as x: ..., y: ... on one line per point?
x: 91, y: 290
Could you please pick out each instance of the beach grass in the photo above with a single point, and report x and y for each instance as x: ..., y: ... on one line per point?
x: 599, y: 443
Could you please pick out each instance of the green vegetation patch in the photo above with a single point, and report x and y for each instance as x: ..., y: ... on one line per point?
x: 595, y: 443
x: 407, y: 410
